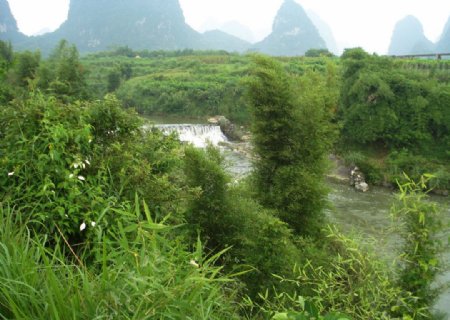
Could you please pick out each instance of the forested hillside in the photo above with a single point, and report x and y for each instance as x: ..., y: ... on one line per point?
x: 101, y: 217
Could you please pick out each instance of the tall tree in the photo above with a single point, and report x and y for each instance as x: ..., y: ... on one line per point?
x: 292, y: 135
x: 26, y: 66
x: 6, y: 53
x: 6, y: 59
x: 63, y: 73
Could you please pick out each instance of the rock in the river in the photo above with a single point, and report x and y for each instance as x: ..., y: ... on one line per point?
x: 231, y: 131
x: 213, y: 120
x: 362, y: 187
x: 357, y: 180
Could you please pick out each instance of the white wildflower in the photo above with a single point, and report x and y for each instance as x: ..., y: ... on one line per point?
x: 93, y: 224
x: 82, y: 226
x: 81, y: 178
x: 87, y: 162
x: 10, y: 174
x: 90, y: 140
x: 194, y: 263
x: 71, y: 176
x: 75, y: 165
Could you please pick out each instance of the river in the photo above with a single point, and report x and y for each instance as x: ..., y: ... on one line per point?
x: 366, y: 215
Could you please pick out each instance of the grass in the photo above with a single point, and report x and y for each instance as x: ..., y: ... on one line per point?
x: 142, y: 273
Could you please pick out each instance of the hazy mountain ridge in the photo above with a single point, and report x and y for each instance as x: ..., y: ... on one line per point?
x: 408, y: 38
x: 95, y: 25
x: 98, y: 25
x: 220, y: 40
x: 8, y: 24
x: 325, y: 32
x: 443, y: 45
x: 293, y: 33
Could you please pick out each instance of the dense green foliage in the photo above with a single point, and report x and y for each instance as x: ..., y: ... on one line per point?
x: 72, y: 173
x: 292, y: 137
x: 419, y: 225
x: 381, y: 103
x: 398, y: 111
x: 228, y: 217
x: 101, y: 217
x: 63, y: 74
x: 70, y: 164
x: 318, y: 53
x: 342, y: 277
x: 188, y: 85
x: 199, y: 83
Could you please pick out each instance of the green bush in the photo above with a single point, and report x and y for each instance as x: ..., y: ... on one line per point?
x: 419, y: 224
x: 72, y: 165
x: 44, y: 152
x: 440, y: 179
x: 209, y: 210
x: 226, y: 216
x: 414, y: 166
x: 338, y: 276
x: 261, y: 242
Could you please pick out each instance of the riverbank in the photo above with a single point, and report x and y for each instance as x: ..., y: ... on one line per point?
x: 385, y: 172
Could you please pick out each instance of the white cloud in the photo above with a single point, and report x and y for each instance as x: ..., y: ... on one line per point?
x: 33, y: 16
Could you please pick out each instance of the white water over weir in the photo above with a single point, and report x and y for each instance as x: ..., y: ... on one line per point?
x: 197, y: 134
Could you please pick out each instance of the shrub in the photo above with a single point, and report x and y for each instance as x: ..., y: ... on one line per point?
x: 226, y: 216
x: 419, y: 224
x: 209, y: 210
x: 71, y: 165
x: 414, y: 166
x: 344, y: 278
x: 45, y: 150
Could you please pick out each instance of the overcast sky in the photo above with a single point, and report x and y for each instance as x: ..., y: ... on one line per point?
x: 364, y: 23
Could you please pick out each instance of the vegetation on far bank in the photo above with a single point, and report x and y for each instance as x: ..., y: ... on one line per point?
x: 393, y: 113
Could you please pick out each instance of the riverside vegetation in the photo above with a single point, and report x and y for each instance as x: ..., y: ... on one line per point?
x: 103, y: 219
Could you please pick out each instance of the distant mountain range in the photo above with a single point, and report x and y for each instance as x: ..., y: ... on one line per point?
x: 443, y: 44
x: 409, y: 38
x: 97, y: 25
x: 293, y: 33
x: 8, y: 25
